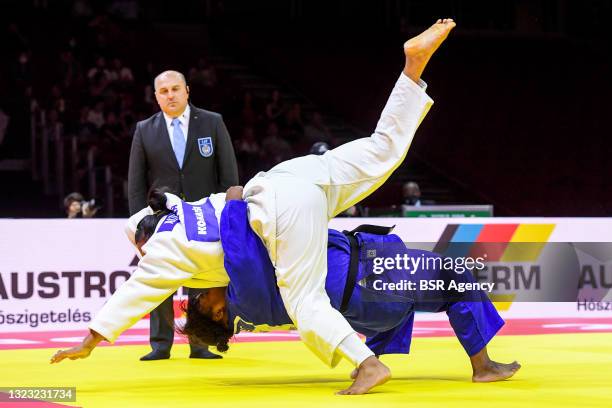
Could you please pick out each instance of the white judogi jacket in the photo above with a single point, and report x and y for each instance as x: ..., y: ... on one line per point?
x: 171, y: 260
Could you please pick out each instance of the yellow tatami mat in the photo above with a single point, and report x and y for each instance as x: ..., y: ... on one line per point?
x: 561, y: 370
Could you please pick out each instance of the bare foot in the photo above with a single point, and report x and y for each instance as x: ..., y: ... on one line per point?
x: 494, y: 371
x: 419, y: 49
x: 369, y: 374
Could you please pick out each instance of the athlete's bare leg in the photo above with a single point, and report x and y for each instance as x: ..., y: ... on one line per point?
x: 418, y: 51
x: 369, y: 374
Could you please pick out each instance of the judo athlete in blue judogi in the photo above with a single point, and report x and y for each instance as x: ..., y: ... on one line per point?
x: 251, y: 301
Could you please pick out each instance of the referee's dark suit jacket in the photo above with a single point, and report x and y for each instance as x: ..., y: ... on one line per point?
x: 153, y: 164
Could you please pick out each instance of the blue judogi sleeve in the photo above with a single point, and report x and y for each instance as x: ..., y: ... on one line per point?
x: 252, y: 294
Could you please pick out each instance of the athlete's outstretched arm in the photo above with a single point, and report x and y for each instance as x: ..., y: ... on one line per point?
x: 152, y: 282
x: 83, y: 350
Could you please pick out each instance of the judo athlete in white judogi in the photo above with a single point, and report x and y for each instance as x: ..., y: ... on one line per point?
x: 289, y: 209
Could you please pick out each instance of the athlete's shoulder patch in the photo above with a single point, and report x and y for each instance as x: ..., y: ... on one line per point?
x: 168, y: 223
x: 201, y: 223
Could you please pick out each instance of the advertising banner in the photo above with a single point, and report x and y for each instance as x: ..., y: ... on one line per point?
x: 55, y: 274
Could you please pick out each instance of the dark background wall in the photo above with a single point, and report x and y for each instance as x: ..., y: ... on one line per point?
x: 522, y: 89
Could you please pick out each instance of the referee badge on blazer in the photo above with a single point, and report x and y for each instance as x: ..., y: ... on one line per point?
x: 205, y: 146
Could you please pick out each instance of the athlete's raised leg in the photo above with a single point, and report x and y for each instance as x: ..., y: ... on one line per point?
x: 289, y: 207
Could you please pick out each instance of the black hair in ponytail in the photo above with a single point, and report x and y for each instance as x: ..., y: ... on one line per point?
x: 157, y: 201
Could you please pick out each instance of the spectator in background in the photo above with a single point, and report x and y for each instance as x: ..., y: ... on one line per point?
x: 204, y: 74
x: 248, y: 153
x: 76, y: 206
x: 111, y: 130
x: 58, y: 102
x: 95, y: 116
x: 69, y: 69
x: 22, y: 69
x: 86, y: 131
x: 203, y: 82
x: 294, y: 127
x: 316, y: 130
x: 51, y: 122
x: 274, y: 107
x: 113, y: 138
x: 248, y: 115
x: 126, y: 103
x: 4, y: 122
x: 319, y: 148
x: 98, y: 69
x: 247, y: 145
x: 120, y: 73
x: 97, y: 85
x: 208, y: 73
x: 275, y: 148
x: 149, y: 95
x: 411, y: 194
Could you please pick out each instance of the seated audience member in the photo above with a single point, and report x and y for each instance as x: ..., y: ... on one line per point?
x: 77, y: 207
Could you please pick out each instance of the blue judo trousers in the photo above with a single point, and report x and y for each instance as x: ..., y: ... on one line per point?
x: 385, y: 317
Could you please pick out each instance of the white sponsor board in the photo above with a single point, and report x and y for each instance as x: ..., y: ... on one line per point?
x: 55, y: 274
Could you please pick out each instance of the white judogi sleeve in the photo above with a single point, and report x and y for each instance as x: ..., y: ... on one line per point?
x: 155, y: 278
x: 289, y: 208
x: 170, y: 261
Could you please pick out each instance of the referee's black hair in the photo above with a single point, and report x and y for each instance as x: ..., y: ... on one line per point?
x: 157, y: 201
x: 201, y: 329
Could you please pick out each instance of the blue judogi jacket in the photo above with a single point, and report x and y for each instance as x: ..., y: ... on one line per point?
x: 254, y: 302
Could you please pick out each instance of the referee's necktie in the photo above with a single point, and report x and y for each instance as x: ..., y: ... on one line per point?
x: 178, y: 139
